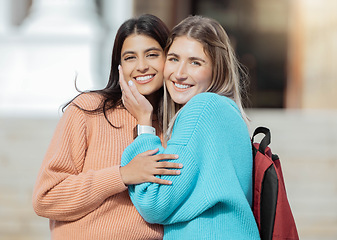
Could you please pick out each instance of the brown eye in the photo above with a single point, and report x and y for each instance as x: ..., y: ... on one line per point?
x: 153, y: 55
x: 129, y: 58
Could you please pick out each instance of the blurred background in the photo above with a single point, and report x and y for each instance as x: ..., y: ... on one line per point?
x: 289, y: 47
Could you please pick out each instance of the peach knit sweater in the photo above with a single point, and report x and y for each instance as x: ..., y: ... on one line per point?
x: 79, y: 186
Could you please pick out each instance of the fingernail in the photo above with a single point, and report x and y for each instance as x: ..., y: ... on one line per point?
x: 176, y: 156
x: 178, y: 171
x: 130, y: 83
x: 169, y: 182
x: 119, y: 66
x: 180, y: 165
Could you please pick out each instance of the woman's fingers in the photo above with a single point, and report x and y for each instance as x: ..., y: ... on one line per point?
x: 146, y: 166
x: 159, y: 157
x: 129, y: 87
x: 165, y: 156
x: 139, y: 97
x: 122, y: 82
x: 168, y: 165
x: 160, y: 181
x: 148, y: 152
x: 163, y: 171
x: 127, y: 94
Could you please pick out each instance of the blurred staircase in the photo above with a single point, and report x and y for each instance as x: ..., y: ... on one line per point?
x: 306, y: 142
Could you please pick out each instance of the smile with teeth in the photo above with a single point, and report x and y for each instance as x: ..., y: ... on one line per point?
x: 182, y: 86
x: 144, y: 78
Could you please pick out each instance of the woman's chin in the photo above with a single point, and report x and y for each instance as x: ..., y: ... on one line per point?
x: 180, y: 100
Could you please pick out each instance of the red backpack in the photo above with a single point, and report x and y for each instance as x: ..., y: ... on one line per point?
x: 270, y: 203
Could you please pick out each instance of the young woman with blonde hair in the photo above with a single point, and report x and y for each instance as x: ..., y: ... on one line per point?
x: 212, y: 197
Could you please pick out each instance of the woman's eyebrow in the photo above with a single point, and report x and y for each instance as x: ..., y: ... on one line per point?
x: 173, y: 55
x: 127, y: 52
x: 145, y: 51
x: 196, y: 58
x: 190, y: 58
x: 153, y: 49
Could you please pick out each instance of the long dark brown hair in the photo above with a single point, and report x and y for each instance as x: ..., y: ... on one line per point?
x: 148, y: 25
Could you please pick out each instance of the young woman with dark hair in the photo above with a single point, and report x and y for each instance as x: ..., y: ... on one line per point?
x: 81, y: 186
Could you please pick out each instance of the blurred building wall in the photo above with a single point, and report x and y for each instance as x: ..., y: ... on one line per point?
x: 55, y: 43
x: 258, y: 32
x: 41, y: 56
x: 312, y: 75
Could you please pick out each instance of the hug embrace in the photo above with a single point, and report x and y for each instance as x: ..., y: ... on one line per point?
x: 187, y: 174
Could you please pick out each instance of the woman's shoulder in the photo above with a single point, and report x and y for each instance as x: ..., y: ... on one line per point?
x: 209, y: 108
x: 205, y: 111
x: 88, y: 100
x: 211, y: 101
x: 206, y: 107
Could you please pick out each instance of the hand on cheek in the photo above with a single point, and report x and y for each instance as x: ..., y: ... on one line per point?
x: 135, y: 102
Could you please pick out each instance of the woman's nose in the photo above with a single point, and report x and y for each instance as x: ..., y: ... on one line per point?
x: 142, y: 65
x: 181, y: 73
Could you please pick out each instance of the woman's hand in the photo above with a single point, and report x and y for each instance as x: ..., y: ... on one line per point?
x: 135, y: 102
x: 146, y: 165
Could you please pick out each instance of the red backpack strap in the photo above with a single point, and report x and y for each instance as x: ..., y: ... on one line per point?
x: 266, y: 139
x: 265, y: 185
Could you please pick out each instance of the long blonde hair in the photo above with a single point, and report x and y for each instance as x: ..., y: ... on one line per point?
x: 228, y: 75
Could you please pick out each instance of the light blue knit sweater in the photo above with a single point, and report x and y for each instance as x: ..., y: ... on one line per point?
x: 211, y: 198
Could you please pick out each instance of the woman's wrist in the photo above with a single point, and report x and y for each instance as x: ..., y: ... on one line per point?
x: 123, y: 177
x: 145, y: 120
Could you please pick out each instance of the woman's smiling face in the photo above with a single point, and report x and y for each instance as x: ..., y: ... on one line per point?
x: 188, y: 70
x: 143, y: 59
